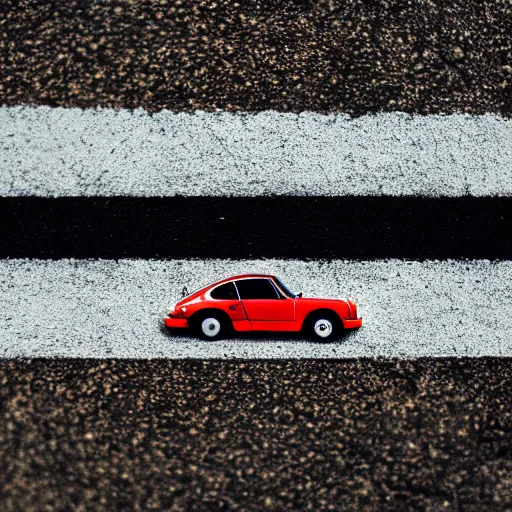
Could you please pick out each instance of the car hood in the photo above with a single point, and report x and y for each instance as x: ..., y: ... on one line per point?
x: 316, y: 299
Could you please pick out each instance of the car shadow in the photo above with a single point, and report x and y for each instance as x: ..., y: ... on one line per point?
x: 272, y: 336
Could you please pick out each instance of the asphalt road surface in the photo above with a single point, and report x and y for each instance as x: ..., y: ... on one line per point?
x: 324, y: 56
x: 395, y: 117
x: 296, y: 435
x: 201, y: 227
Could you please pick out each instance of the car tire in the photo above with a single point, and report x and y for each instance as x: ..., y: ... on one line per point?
x: 323, y: 326
x: 211, y: 326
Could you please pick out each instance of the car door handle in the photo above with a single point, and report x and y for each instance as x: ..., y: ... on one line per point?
x: 233, y: 307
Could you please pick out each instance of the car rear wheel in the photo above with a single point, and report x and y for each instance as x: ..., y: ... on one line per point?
x: 323, y: 326
x: 211, y: 326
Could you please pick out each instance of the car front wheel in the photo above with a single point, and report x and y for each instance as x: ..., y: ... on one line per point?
x: 323, y: 327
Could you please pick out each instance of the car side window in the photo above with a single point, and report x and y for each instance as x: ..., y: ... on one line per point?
x: 224, y: 292
x: 256, y: 289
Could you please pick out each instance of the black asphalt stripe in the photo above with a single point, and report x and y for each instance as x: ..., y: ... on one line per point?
x: 327, y: 55
x: 289, y: 227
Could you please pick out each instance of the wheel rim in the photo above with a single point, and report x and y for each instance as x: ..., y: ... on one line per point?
x: 323, y: 328
x: 210, y: 327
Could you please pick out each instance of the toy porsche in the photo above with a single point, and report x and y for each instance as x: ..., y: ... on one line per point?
x: 258, y: 302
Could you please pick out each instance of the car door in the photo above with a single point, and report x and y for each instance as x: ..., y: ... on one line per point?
x: 226, y: 298
x: 263, y: 304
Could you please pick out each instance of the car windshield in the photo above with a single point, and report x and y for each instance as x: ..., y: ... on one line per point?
x: 284, y: 288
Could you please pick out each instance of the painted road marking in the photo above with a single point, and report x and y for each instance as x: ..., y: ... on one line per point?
x: 73, y: 152
x: 103, y: 308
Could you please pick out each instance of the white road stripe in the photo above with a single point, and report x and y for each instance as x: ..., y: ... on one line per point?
x: 71, y: 152
x: 77, y: 308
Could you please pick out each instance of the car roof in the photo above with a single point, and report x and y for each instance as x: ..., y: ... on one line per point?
x: 240, y: 276
x: 208, y: 287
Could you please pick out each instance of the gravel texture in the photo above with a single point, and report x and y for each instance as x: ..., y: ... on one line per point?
x: 106, y: 152
x: 288, y: 435
x: 101, y: 309
x: 328, y: 55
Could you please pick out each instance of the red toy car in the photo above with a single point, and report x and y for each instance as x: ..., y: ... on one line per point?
x: 258, y: 302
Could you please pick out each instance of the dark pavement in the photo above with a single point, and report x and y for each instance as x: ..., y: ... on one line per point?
x: 282, y: 435
x: 326, y: 55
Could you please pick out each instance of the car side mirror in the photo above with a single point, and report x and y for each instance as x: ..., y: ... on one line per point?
x: 300, y: 295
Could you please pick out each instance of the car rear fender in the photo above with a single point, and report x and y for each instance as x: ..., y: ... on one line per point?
x: 203, y: 313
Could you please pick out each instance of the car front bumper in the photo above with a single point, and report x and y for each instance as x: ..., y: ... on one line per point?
x: 353, y: 324
x: 176, y: 323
